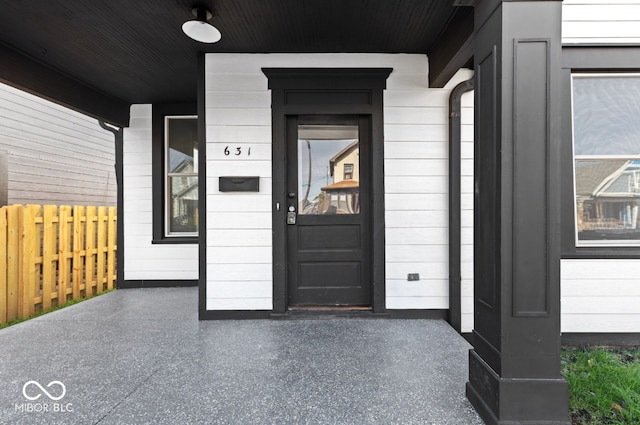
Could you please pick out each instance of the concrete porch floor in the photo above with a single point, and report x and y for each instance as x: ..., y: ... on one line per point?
x: 142, y: 357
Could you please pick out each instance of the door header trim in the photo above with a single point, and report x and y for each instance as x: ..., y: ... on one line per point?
x: 327, y: 78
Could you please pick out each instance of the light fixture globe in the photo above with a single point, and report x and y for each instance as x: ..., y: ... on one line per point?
x: 199, y: 29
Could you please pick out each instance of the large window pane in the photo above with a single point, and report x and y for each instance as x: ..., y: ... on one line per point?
x: 182, y: 175
x: 606, y: 115
x: 606, y: 137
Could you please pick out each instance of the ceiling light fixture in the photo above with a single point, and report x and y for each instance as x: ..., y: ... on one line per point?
x: 199, y: 29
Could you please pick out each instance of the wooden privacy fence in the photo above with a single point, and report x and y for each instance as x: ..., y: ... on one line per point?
x: 51, y: 254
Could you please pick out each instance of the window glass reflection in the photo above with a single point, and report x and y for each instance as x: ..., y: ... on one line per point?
x: 181, y: 134
x: 328, y: 169
x: 606, y: 115
x: 606, y: 137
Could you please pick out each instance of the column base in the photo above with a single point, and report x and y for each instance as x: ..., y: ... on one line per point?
x: 501, y: 401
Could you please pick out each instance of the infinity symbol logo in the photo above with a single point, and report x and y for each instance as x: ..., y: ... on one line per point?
x: 42, y: 389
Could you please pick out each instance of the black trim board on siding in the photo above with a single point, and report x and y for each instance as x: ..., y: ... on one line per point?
x: 435, y: 314
x: 234, y: 314
x: 156, y: 283
x: 202, y: 188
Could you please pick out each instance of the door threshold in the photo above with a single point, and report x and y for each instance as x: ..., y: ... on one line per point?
x: 329, y: 308
x: 329, y: 312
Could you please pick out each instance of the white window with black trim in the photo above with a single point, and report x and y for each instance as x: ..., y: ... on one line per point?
x: 606, y: 153
x: 181, y: 175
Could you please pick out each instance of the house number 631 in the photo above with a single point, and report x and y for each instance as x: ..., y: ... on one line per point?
x: 236, y: 151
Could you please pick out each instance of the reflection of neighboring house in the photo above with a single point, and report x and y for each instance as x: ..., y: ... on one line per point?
x: 607, y: 194
x: 184, y: 196
x: 343, y: 195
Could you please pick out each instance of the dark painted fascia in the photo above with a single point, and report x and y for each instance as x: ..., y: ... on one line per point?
x: 453, y: 49
x: 30, y: 75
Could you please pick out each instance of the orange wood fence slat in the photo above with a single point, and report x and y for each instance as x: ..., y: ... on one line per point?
x: 78, y: 250
x: 51, y: 254
x: 3, y: 265
x: 13, y: 263
x: 64, y: 258
x: 31, y: 234
x: 111, y: 249
x: 90, y: 249
x: 101, y: 248
x: 48, y: 250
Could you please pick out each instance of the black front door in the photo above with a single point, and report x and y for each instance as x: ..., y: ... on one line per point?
x: 328, y: 214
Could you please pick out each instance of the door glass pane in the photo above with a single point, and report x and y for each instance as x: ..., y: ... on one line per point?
x: 328, y: 169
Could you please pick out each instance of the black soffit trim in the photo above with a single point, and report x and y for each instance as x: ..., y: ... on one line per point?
x: 28, y: 74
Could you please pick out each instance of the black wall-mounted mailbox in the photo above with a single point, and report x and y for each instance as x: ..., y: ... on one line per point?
x: 239, y: 184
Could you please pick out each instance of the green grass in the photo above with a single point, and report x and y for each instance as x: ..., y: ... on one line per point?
x: 604, y: 385
x: 58, y: 307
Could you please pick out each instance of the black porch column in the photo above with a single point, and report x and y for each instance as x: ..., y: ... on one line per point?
x: 514, y: 368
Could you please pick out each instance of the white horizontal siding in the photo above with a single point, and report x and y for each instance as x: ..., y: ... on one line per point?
x: 600, y: 295
x: 239, y: 239
x: 601, y: 21
x: 430, y: 288
x: 416, y: 198
x: 54, y: 155
x: 238, y: 302
x: 428, y: 270
x: 144, y: 260
x: 239, y: 114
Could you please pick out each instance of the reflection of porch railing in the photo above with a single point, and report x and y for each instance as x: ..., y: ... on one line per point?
x: 602, y: 224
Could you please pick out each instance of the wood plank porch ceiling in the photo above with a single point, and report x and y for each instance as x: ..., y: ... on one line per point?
x: 135, y: 51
